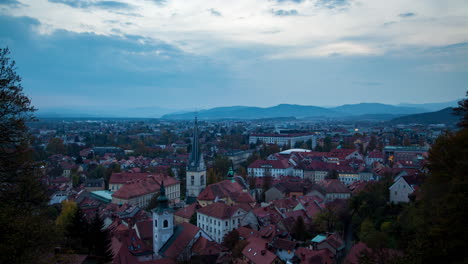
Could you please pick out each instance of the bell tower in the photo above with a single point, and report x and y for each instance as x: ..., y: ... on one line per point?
x: 163, y: 221
x: 196, y: 169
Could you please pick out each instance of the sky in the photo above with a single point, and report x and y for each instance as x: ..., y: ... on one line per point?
x: 197, y: 54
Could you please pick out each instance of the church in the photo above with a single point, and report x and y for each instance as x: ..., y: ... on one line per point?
x: 177, y: 241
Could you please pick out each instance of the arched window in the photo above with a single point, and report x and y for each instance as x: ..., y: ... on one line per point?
x: 165, y: 223
x: 155, y: 223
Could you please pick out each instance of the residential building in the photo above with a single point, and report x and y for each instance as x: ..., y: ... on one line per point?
x: 403, y: 187
x: 283, y: 139
x: 218, y: 219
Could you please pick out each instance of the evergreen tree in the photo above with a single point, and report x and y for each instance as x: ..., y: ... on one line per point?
x: 100, y: 240
x: 76, y: 232
x: 299, y: 229
x: 193, y: 219
x: 27, y: 233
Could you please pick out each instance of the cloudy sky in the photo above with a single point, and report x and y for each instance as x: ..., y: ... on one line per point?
x: 186, y: 54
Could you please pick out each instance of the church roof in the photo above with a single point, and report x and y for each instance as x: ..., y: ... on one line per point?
x: 177, y: 243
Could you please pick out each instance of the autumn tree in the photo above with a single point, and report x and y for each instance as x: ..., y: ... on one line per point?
x: 27, y: 232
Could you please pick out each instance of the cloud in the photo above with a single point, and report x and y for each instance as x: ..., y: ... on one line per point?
x: 88, y: 4
x: 312, y: 27
x: 332, y: 4
x: 293, y: 1
x: 408, y: 14
x: 214, y: 12
x: 281, y: 12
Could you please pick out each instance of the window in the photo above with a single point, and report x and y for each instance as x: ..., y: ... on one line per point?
x: 165, y: 223
x: 155, y: 223
x: 202, y: 180
x: 192, y: 180
x: 395, y: 192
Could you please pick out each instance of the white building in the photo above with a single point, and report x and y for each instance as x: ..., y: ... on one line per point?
x: 283, y: 139
x: 218, y: 219
x: 403, y: 187
x: 274, y: 168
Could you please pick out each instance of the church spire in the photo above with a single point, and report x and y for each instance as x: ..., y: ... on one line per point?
x: 163, y: 202
x: 196, y: 162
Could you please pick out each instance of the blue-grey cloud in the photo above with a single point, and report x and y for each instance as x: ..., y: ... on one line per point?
x: 159, y: 2
x: 214, y: 12
x: 409, y: 14
x: 86, y: 4
x: 281, y: 12
x: 112, y: 70
x: 11, y: 3
x: 294, y: 1
x: 332, y: 4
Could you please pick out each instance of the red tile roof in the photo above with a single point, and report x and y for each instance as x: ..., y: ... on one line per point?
x: 187, y: 211
x: 221, y: 189
x: 145, y: 229
x: 205, y: 247
x: 150, y: 184
x: 220, y: 210
x: 181, y: 241
x: 333, y: 186
x: 257, y: 252
x: 245, y: 232
x: 309, y: 256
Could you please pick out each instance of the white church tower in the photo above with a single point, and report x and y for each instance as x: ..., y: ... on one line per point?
x: 163, y: 221
x: 196, y: 169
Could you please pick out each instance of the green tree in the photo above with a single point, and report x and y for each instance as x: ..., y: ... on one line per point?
x: 333, y: 174
x: 27, y: 232
x: 441, y: 211
x: 231, y: 239
x: 193, y: 219
x: 76, y: 232
x: 327, y: 144
x: 153, y: 203
x: 100, y: 240
x: 55, y: 146
x: 300, y: 229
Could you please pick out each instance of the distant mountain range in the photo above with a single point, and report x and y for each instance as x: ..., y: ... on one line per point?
x: 444, y: 116
x: 375, y: 111
x: 362, y: 111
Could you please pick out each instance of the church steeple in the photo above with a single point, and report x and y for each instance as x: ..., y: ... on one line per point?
x: 163, y: 201
x: 196, y: 170
x: 163, y: 221
x: 196, y: 162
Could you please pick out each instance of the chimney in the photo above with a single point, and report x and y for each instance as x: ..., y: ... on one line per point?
x: 263, y: 252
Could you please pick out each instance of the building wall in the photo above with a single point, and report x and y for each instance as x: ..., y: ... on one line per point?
x: 399, y: 191
x: 218, y: 228
x: 195, y: 182
x: 348, y: 178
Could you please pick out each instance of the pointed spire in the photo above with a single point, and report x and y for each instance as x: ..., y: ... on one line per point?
x: 196, y: 162
x: 163, y: 202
